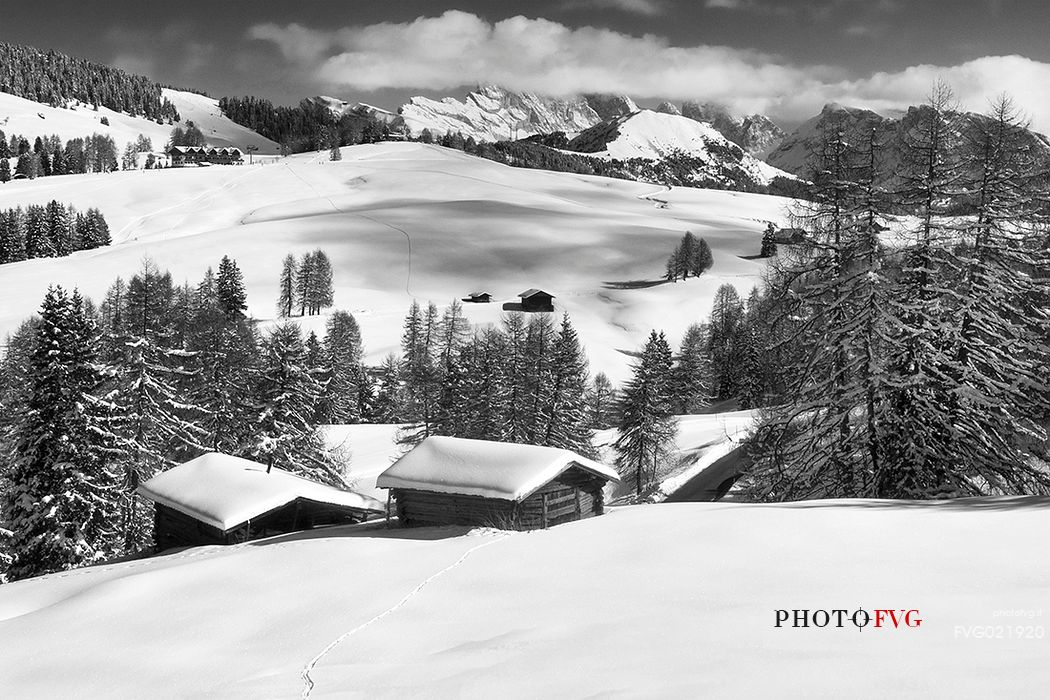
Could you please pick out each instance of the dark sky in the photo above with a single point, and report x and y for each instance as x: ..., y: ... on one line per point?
x: 209, y: 45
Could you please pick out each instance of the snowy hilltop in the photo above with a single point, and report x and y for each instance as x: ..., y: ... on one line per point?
x: 660, y: 136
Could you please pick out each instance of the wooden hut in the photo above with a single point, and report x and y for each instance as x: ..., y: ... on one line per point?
x: 219, y: 499
x: 536, y: 300
x: 454, y: 481
x: 478, y: 298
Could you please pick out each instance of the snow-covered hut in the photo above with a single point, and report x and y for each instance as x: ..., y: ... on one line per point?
x: 219, y: 499
x: 455, y: 481
x: 536, y: 300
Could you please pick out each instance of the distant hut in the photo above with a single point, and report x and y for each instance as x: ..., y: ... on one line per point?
x: 536, y: 300
x: 219, y: 499
x: 455, y: 481
x: 478, y: 298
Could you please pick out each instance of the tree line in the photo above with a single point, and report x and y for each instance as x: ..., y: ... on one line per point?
x: 912, y: 368
x: 309, y: 126
x: 48, y: 156
x: 49, y: 231
x: 55, y: 79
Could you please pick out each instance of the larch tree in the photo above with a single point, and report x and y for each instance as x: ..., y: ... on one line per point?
x: 647, y: 426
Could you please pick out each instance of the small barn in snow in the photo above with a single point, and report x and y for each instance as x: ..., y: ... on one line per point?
x: 536, y: 300
x: 478, y: 298
x: 454, y: 481
x: 219, y: 499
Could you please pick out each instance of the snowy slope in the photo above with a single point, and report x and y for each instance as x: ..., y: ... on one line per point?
x: 655, y: 135
x: 668, y: 600
x: 403, y: 221
x: 32, y: 119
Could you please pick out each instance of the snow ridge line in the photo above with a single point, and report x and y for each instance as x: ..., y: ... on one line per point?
x: 305, y: 673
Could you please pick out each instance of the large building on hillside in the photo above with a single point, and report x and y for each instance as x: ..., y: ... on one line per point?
x: 195, y: 155
x: 455, y: 481
x: 220, y: 499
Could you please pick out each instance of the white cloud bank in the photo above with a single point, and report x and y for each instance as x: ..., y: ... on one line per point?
x: 539, y: 55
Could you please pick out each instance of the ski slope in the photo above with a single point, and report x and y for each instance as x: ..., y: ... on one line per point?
x: 31, y: 119
x: 652, y: 601
x: 404, y: 221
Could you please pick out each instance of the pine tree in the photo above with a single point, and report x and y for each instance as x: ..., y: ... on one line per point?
x: 5, y: 170
x: 702, y: 259
x: 226, y: 368
x: 286, y: 399
x: 420, y: 371
x: 230, y: 292
x: 304, y: 283
x: 727, y: 313
x: 38, y: 243
x: 601, y: 402
x: 342, y: 351
x: 59, y: 501
x: 158, y: 424
x: 286, y: 296
x: 565, y: 414
x: 691, y: 385
x: 60, y: 229
x: 647, y: 425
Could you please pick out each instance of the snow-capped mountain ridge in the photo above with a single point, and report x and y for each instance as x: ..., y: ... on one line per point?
x: 493, y: 113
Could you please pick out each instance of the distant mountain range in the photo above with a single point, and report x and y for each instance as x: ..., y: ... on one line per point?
x: 795, y: 151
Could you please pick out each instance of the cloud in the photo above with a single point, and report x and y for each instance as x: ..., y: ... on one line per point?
x: 539, y: 55
x: 648, y: 8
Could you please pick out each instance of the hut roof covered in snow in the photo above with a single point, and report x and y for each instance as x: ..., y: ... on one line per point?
x: 483, y: 468
x: 224, y: 491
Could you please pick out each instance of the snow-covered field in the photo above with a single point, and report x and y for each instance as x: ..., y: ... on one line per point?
x: 403, y: 221
x: 654, y: 601
x: 31, y: 119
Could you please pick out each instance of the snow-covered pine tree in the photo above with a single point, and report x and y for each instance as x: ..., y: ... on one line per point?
x: 226, y: 367
x: 918, y: 441
x: 564, y: 415
x: 286, y: 399
x: 1000, y: 358
x: 38, y: 243
x: 515, y: 373
x: 94, y: 232
x: 60, y: 229
x: 538, y: 370
x: 388, y: 406
x: 342, y: 350
x: 229, y: 287
x: 691, y: 383
x: 158, y: 425
x: 60, y: 497
x: 420, y: 371
x: 287, y: 286
x: 13, y: 238
x: 648, y: 426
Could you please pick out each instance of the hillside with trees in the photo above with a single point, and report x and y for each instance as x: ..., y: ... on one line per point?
x: 54, y: 79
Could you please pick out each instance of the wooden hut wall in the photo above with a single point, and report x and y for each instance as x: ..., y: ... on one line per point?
x: 172, y: 528
x: 432, y: 508
x: 175, y: 529
x: 574, y: 495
